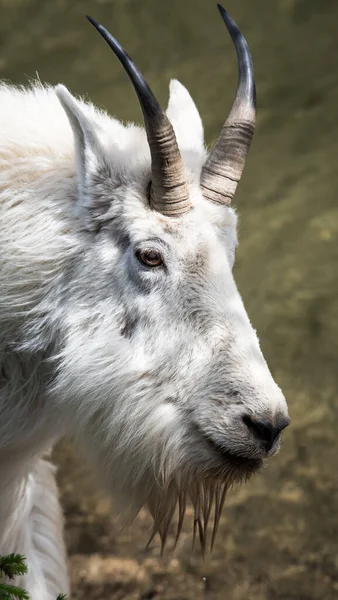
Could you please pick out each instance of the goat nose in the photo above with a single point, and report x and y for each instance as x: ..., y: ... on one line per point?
x: 265, y: 430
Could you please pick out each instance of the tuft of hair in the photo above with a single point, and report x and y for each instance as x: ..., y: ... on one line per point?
x: 167, y: 505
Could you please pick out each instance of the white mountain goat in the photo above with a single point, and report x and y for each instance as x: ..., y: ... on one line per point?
x: 120, y: 321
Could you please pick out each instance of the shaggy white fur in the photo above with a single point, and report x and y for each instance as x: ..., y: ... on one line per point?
x: 151, y: 370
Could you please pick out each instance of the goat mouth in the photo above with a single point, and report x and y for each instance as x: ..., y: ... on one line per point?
x: 241, y: 467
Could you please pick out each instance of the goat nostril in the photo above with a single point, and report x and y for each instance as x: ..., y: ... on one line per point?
x: 283, y: 423
x: 264, y: 429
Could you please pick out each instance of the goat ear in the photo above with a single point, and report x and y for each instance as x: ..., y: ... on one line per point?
x: 185, y: 118
x: 90, y: 156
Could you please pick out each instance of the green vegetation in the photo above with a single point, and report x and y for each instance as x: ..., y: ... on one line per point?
x: 10, y: 567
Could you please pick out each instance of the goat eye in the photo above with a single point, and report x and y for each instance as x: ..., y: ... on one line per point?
x: 150, y: 257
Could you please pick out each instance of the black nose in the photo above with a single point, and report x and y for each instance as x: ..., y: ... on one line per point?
x: 264, y: 430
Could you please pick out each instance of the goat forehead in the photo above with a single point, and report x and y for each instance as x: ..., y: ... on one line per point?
x: 200, y: 232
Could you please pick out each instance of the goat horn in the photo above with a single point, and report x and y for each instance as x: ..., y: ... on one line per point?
x: 169, y: 191
x: 223, y: 168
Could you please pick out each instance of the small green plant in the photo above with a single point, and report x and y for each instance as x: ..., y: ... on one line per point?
x: 11, y: 566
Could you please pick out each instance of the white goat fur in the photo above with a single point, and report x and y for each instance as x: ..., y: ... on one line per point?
x: 65, y: 366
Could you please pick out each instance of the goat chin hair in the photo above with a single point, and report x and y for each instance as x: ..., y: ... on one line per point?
x: 167, y: 505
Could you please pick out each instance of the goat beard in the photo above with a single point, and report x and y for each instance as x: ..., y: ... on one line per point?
x: 207, y: 495
x: 166, y: 485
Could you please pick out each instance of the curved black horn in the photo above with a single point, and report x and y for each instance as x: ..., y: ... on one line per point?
x: 224, y: 166
x: 169, y: 191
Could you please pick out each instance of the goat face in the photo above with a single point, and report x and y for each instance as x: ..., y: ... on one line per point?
x: 160, y: 368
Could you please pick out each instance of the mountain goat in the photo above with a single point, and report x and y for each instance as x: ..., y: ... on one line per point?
x: 120, y: 321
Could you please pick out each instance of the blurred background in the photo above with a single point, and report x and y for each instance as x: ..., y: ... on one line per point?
x: 279, y: 534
